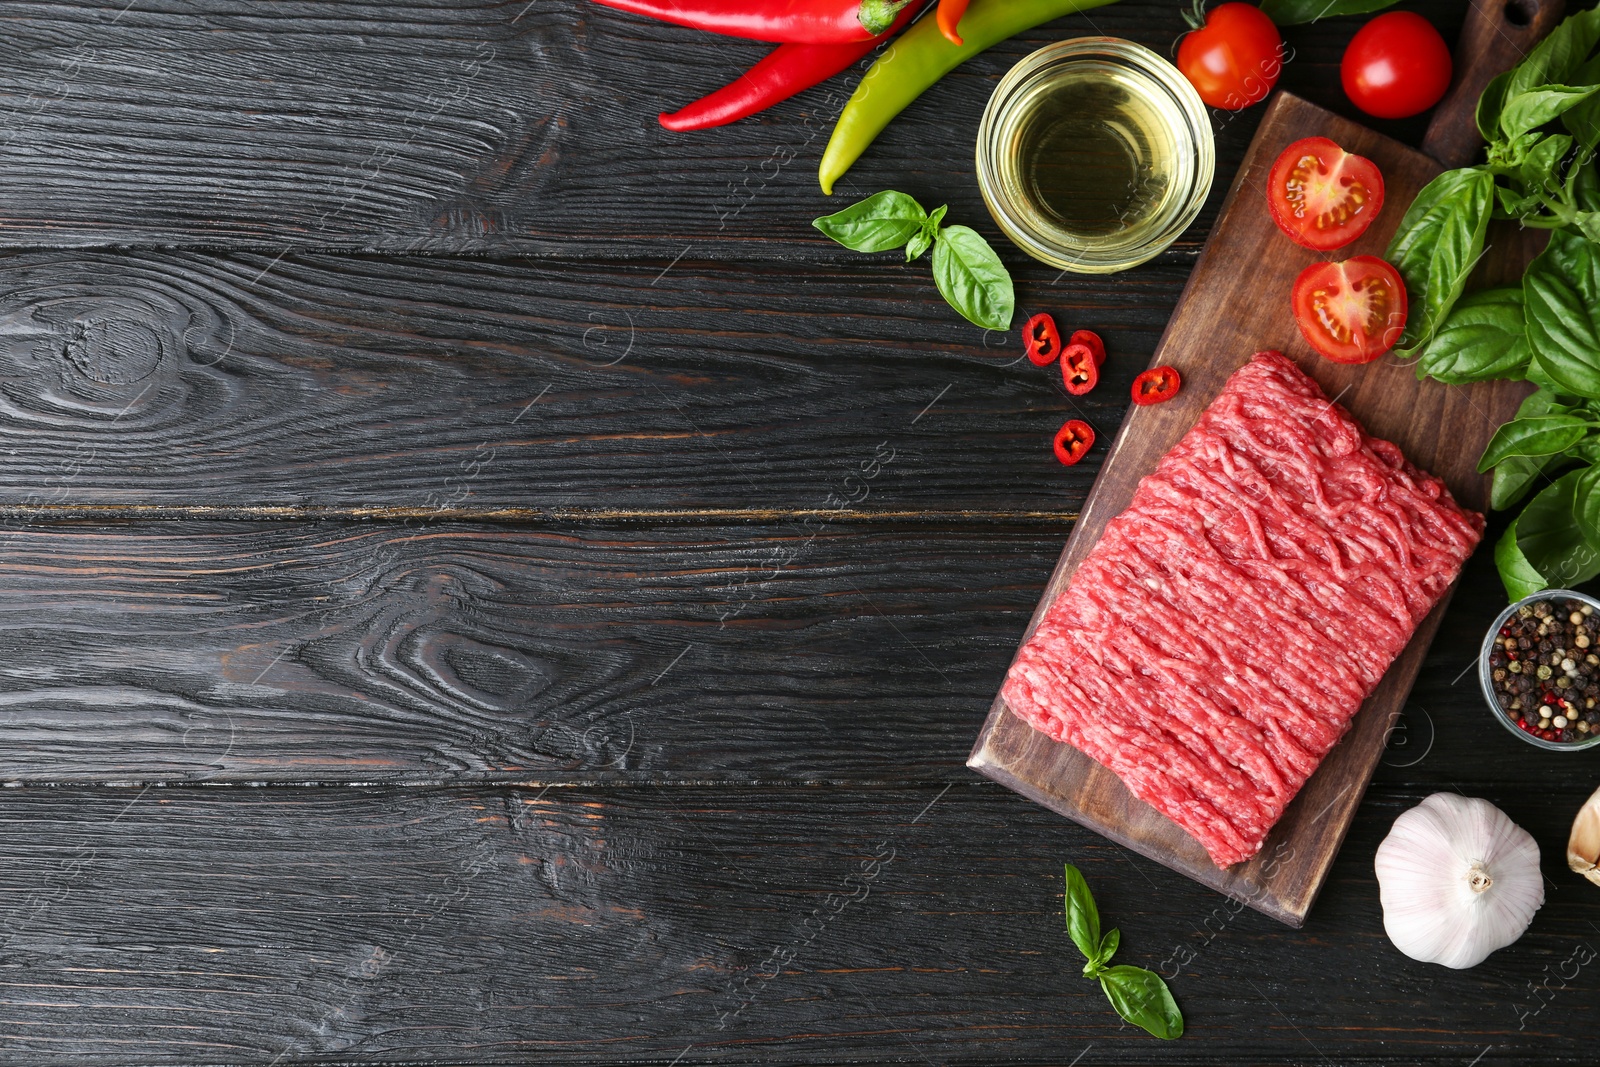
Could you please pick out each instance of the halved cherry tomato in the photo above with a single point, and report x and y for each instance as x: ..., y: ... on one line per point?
x: 1351, y: 312
x: 1078, y: 371
x: 1234, y: 59
x: 1073, y: 441
x: 1322, y: 196
x: 1090, y: 340
x: 1395, y: 66
x: 1041, y: 339
x: 1156, y: 384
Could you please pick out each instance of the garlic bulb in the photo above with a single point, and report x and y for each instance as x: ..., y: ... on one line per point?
x: 1583, y: 847
x: 1458, y: 879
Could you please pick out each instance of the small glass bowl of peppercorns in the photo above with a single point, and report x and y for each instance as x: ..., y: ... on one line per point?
x: 1540, y: 669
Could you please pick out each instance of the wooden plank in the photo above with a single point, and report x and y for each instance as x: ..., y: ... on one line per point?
x: 436, y: 652
x: 440, y: 652
x: 1225, y: 315
x: 808, y: 926
x: 462, y: 125
x: 545, y: 388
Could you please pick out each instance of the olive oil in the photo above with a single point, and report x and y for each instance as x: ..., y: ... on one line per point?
x: 1095, y: 154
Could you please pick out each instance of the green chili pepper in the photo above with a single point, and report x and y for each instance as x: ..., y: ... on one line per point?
x: 920, y: 57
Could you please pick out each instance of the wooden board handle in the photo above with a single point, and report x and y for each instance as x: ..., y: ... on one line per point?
x: 1495, y: 37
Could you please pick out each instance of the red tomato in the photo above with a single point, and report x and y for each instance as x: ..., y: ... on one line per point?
x: 1078, y: 371
x: 1395, y: 66
x: 1322, y: 196
x: 1351, y: 312
x: 1234, y: 60
x: 1073, y: 441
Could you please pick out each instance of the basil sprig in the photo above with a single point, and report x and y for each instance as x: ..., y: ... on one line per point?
x: 1140, y: 996
x: 968, y: 273
x: 1541, y: 120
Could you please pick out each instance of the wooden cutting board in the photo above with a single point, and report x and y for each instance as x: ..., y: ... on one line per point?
x: 1235, y: 304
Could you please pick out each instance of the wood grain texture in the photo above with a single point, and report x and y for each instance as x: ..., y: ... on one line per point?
x: 192, y: 379
x: 466, y: 125
x: 643, y: 925
x: 1493, y: 38
x: 1225, y: 315
x: 436, y: 652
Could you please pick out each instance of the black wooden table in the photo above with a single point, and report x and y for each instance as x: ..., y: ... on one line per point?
x: 484, y: 581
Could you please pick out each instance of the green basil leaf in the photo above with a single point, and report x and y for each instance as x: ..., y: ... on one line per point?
x: 1583, y: 121
x: 1543, y: 435
x: 1586, y: 505
x: 1589, y: 225
x: 972, y: 278
x: 1562, y: 297
x: 1530, y: 110
x: 1490, y: 103
x: 1108, y: 947
x: 1541, y: 166
x: 1508, y: 155
x: 1438, y: 242
x: 1142, y: 998
x: 1514, y: 205
x: 880, y: 222
x: 1083, y: 918
x: 1586, y: 186
x: 1520, y: 577
x: 1549, y: 541
x: 928, y: 234
x: 1514, y: 476
x: 1298, y: 12
x: 1559, y: 56
x: 1483, y: 337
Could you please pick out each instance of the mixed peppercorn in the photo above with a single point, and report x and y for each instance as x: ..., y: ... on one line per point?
x: 1545, y: 666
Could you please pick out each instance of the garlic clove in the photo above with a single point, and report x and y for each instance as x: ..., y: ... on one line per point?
x: 1458, y: 880
x: 1583, y: 847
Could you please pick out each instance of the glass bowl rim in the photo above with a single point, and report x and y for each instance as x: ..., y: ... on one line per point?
x: 1196, y: 132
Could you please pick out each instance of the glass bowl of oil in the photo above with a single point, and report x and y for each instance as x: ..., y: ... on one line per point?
x: 1094, y: 154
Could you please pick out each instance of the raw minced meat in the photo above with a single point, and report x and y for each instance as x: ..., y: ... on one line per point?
x: 1219, y: 638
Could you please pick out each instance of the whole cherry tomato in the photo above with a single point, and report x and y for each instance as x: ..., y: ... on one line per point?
x: 1395, y: 66
x: 1322, y: 196
x: 1351, y: 312
x: 1234, y: 60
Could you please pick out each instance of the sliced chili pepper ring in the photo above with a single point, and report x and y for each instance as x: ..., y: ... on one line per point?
x: 1041, y: 339
x: 1078, y: 371
x: 1073, y: 441
x: 1092, y: 341
x: 1156, y: 384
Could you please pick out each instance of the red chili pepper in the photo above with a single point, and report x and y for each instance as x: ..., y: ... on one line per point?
x: 1073, y: 441
x: 949, y: 16
x: 783, y: 21
x: 1078, y: 371
x: 1092, y: 340
x: 786, y: 70
x: 1156, y: 384
x: 1041, y: 339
